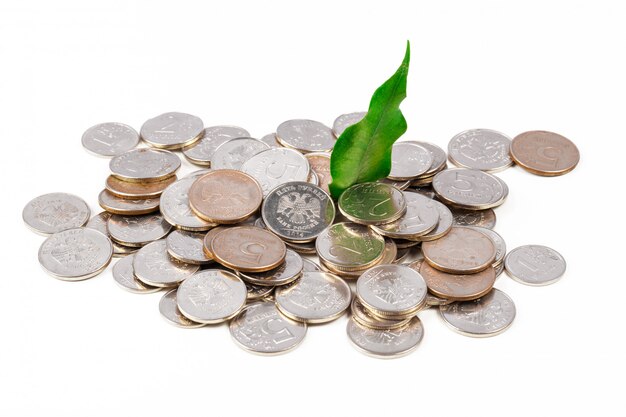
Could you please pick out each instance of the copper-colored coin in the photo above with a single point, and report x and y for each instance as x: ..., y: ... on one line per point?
x: 544, y: 153
x: 455, y: 286
x: 248, y: 249
x: 320, y: 165
x: 208, y: 238
x: 126, y: 206
x: 134, y: 190
x: 461, y: 251
x: 225, y: 196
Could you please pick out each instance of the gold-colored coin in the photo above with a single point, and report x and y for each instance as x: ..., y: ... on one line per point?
x: 208, y: 238
x: 461, y: 251
x: 125, y: 206
x: 372, y: 203
x: 364, y: 317
x: 225, y: 196
x: 458, y: 287
x: 137, y: 190
x: 544, y: 153
x: 248, y: 249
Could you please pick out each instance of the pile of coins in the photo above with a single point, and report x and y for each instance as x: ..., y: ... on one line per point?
x: 254, y: 238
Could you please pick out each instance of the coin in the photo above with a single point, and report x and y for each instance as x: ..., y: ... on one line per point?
x: 409, y: 160
x: 316, y: 297
x: 75, y: 254
x: 458, y: 287
x: 198, y: 173
x: 438, y: 155
x: 136, y: 190
x: 443, y: 226
x: 234, y: 152
x: 497, y: 241
x: 534, y: 265
x: 248, y: 249
x: 313, y: 179
x: 469, y: 188
x: 208, y: 238
x: 298, y: 211
x: 99, y: 223
x: 225, y: 196
x: 482, y: 149
x: 434, y: 301
x: 270, y: 140
x: 402, y: 255
x: 349, y: 245
x: 168, y: 308
x: 344, y: 121
x: 137, y: 231
x: 55, y: 212
x: 154, y: 266
x: 257, y: 292
x: 389, y: 255
x: 176, y: 210
x: 400, y: 185
x: 482, y: 218
x: 211, y: 296
x: 172, y: 130
x: 486, y: 316
x: 201, y: 152
x: 544, y: 153
x: 124, y: 276
x: 187, y: 247
x: 110, y: 139
x: 277, y: 166
x: 426, y: 190
x: 144, y: 165
x: 363, y: 317
x: 310, y: 266
x: 461, y: 251
x: 261, y: 328
x: 372, y: 203
x: 420, y: 218
x: 391, y: 290
x: 287, y: 272
x: 125, y: 206
x: 320, y: 165
x: 391, y: 343
x: 307, y: 248
x: 305, y: 136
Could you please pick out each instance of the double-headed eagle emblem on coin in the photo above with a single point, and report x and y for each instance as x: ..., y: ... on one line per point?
x: 299, y: 208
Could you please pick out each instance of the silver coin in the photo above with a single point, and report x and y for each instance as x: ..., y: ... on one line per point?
x: 469, y: 188
x: 535, y: 265
x: 342, y: 122
x: 176, y: 210
x: 257, y: 292
x: 298, y: 211
x: 201, y: 152
x: 363, y: 316
x: 486, y: 316
x: 172, y: 130
x: 409, y: 160
x: 99, y: 223
x: 482, y: 218
x: 170, y: 312
x: 198, y: 173
x: 316, y: 297
x: 498, y: 242
x: 110, y: 139
x: 372, y: 203
x: 443, y: 226
x: 305, y: 135
x: 402, y: 255
x: 391, y: 343
x: 439, y: 157
x: 187, y: 247
x: 277, y: 166
x: 287, y: 272
x: 144, y: 164
x: 55, y: 212
x: 310, y: 266
x: 313, y: 178
x: 137, y: 231
x: 391, y: 289
x: 211, y: 296
x: 499, y: 269
x: 154, y: 266
x: 261, y: 328
x: 421, y: 216
x: 482, y: 149
x: 307, y: 248
x: 434, y: 301
x: 118, y: 205
x: 270, y: 140
x: 234, y: 152
x: 400, y: 185
x: 350, y: 245
x: 124, y: 276
x: 75, y: 254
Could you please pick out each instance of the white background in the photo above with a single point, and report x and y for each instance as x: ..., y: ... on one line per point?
x: 89, y: 348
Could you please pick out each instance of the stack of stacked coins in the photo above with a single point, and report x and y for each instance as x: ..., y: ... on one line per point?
x: 236, y: 240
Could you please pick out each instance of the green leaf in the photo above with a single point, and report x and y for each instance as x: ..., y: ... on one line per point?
x: 363, y: 151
